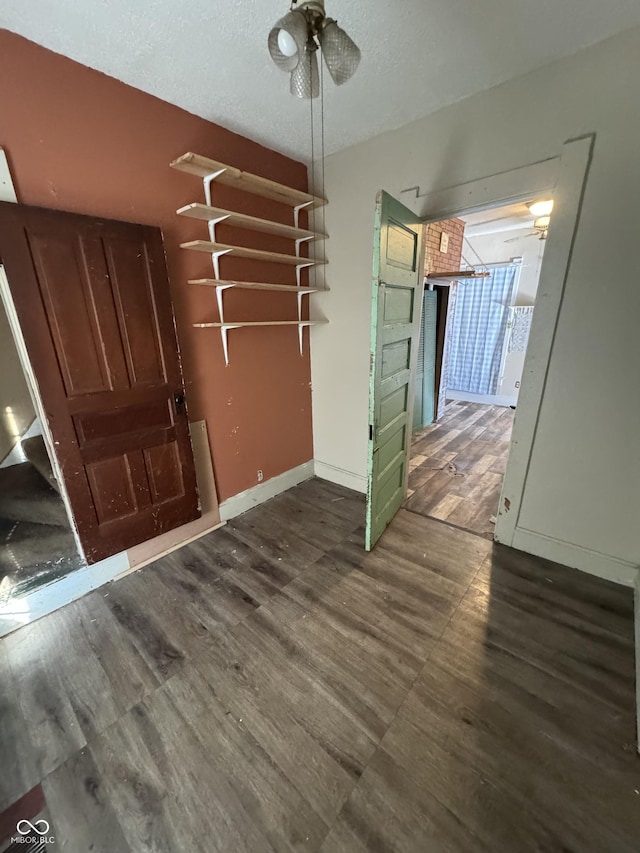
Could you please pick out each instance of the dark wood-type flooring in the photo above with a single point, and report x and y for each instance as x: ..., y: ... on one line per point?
x: 458, y: 464
x: 272, y: 687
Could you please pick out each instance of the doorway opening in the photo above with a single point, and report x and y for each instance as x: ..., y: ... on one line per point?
x: 37, y: 543
x: 481, y: 274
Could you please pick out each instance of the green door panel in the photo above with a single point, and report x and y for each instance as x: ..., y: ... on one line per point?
x: 428, y: 389
x: 419, y: 383
x: 396, y: 304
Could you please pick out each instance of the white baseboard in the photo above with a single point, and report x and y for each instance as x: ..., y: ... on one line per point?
x: 27, y: 608
x: 489, y: 399
x: 39, y: 602
x: 338, y: 475
x: 575, y: 556
x: 243, y: 501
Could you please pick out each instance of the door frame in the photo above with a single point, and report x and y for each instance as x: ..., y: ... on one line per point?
x: 563, y: 176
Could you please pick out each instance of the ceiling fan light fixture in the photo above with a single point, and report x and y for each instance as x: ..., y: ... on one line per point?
x: 541, y: 208
x: 341, y: 53
x: 542, y: 222
x: 305, y: 78
x: 287, y: 40
x: 300, y: 33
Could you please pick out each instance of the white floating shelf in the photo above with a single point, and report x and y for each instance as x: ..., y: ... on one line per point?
x: 204, y: 167
x: 218, y: 215
x: 225, y: 327
x: 218, y: 249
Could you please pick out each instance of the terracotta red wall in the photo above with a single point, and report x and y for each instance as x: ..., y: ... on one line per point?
x: 80, y: 141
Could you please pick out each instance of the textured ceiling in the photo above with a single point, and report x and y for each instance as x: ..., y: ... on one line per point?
x: 211, y: 58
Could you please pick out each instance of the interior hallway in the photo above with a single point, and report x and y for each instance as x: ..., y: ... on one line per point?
x: 458, y: 464
x: 274, y: 687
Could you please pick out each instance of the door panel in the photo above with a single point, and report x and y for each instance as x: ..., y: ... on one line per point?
x: 429, y: 325
x: 165, y: 475
x: 92, y: 297
x: 128, y: 267
x: 424, y: 389
x: 394, y: 336
x: 61, y: 269
x: 418, y: 402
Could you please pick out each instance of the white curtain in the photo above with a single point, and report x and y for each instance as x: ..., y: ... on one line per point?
x: 479, y: 329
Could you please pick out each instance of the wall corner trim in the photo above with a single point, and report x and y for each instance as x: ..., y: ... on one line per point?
x: 256, y: 495
x: 576, y: 557
x: 333, y: 474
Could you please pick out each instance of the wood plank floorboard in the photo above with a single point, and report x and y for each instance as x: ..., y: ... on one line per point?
x: 458, y: 465
x: 273, y: 687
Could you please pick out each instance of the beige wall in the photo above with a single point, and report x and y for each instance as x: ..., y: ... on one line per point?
x: 16, y: 408
x: 582, y: 493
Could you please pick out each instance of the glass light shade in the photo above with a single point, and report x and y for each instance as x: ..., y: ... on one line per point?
x: 340, y: 52
x: 290, y: 33
x: 541, y: 208
x: 305, y: 79
x: 542, y: 222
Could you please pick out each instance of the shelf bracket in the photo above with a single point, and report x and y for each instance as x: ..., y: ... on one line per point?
x: 206, y: 183
x: 224, y: 331
x: 301, y: 326
x: 301, y: 266
x: 297, y: 209
x: 220, y: 288
x: 215, y: 256
x: 211, y: 224
x: 301, y: 240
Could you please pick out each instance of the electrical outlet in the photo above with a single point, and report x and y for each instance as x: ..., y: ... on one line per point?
x: 260, y: 476
x: 517, y: 384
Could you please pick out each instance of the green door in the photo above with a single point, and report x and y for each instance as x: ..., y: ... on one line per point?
x: 418, y: 387
x: 424, y: 387
x: 429, y: 327
x: 395, y: 318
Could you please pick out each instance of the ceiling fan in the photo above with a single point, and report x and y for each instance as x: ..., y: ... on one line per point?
x: 541, y: 227
x: 295, y: 39
x: 542, y: 211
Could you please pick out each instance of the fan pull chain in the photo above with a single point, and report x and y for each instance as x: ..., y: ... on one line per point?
x: 313, y: 169
x: 324, y: 228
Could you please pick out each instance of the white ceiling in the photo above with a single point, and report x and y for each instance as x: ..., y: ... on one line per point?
x: 511, y: 217
x: 211, y: 57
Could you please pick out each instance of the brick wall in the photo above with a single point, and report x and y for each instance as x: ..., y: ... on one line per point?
x: 435, y: 260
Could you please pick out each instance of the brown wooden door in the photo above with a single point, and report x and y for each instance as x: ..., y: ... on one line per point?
x: 93, y: 301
